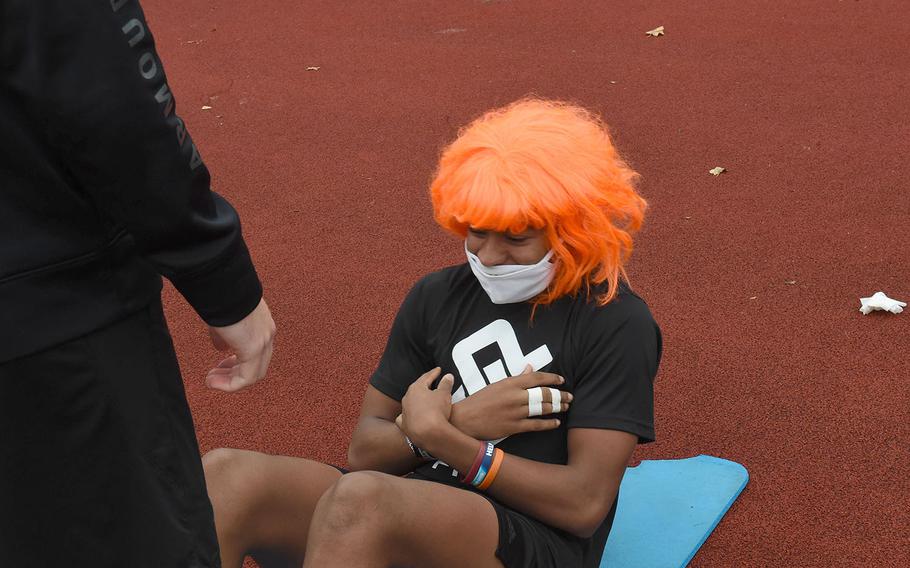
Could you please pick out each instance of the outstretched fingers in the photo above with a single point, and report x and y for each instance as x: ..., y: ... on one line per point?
x: 232, y: 374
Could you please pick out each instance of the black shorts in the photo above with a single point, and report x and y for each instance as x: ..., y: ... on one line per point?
x: 525, y: 542
x: 99, y: 464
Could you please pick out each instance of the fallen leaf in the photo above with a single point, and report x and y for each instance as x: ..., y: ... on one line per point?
x: 658, y: 31
x: 206, y: 107
x: 312, y: 68
x: 790, y: 282
x: 717, y: 171
x: 753, y: 298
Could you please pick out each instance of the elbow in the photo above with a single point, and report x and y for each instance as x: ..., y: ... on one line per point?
x: 589, y: 517
x: 583, y: 528
x: 361, y: 449
x: 357, y: 458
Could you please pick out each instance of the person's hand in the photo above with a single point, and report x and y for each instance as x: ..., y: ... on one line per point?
x: 251, y: 341
x: 501, y: 409
x: 425, y: 410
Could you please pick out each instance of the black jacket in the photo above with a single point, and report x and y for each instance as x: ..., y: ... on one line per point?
x: 101, y: 187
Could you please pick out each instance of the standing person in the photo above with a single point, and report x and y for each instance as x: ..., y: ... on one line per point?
x: 102, y: 191
x: 527, y: 371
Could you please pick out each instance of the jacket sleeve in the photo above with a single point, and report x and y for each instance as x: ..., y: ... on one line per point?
x: 112, y: 116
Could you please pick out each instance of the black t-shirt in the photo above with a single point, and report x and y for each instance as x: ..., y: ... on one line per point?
x: 607, y: 354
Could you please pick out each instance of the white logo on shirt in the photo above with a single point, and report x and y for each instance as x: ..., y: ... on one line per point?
x: 513, y: 360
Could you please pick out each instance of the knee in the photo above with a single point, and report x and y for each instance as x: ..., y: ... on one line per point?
x: 220, y: 467
x: 230, y: 480
x: 356, y: 500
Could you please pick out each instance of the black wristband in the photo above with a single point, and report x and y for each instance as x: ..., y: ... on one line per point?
x: 419, y: 452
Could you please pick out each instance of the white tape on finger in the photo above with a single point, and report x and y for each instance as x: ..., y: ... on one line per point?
x: 535, y: 401
x: 556, y: 398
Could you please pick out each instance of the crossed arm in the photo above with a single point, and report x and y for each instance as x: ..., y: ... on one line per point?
x: 575, y: 497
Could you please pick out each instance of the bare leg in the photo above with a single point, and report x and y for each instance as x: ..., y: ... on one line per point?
x: 263, y: 501
x: 370, y: 519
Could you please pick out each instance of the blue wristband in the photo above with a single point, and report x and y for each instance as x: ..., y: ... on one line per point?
x: 484, y: 465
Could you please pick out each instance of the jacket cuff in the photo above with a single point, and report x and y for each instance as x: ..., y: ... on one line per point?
x: 224, y: 292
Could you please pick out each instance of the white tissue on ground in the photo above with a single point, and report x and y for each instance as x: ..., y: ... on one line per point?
x: 879, y: 301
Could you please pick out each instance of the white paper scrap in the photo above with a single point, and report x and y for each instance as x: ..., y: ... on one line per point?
x: 879, y: 301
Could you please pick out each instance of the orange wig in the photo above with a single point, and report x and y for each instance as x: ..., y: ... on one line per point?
x: 545, y: 165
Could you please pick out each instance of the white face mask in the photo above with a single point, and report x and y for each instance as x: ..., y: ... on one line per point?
x: 512, y: 283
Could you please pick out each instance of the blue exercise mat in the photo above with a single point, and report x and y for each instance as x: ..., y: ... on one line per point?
x: 667, y: 509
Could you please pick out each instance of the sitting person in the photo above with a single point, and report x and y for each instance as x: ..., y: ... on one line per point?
x: 513, y: 388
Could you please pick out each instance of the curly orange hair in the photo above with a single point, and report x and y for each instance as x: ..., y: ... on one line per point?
x: 545, y: 165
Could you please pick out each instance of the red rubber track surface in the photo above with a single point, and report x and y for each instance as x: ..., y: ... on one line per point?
x: 805, y: 103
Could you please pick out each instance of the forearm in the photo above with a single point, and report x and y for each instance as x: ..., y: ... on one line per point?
x: 379, y: 445
x: 553, y: 494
